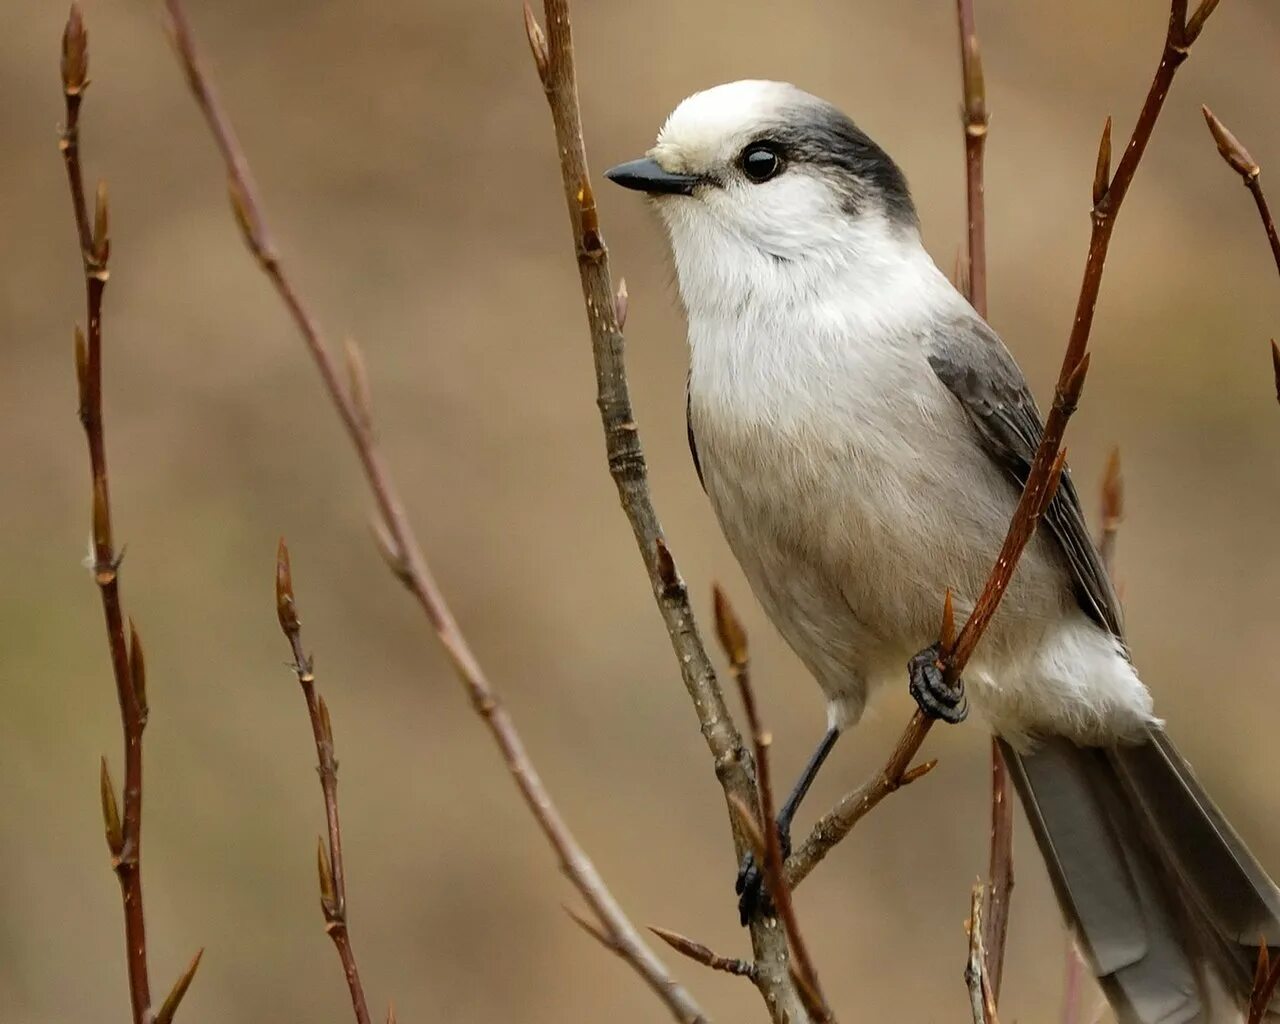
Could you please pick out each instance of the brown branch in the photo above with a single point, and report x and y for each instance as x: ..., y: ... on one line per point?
x: 977, y: 971
x: 974, y: 118
x: 733, y: 638
x: 553, y: 57
x: 405, y: 553
x: 333, y: 876
x: 1047, y: 466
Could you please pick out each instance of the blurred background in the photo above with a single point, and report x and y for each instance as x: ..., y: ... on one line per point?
x: 406, y: 157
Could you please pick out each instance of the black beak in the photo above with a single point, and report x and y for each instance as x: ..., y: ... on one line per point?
x: 645, y: 175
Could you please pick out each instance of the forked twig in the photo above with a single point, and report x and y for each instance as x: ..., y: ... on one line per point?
x: 123, y: 830
x: 330, y: 865
x: 405, y: 554
x: 1108, y: 195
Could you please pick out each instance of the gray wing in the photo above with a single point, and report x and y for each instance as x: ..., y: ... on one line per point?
x: 975, y: 366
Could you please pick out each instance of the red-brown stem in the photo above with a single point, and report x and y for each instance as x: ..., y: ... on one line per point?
x: 1046, y: 467
x: 333, y: 885
x: 734, y: 640
x: 410, y: 564
x: 999, y: 889
x: 127, y: 862
x: 1264, y: 212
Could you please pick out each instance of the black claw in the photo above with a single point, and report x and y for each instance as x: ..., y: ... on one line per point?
x: 750, y: 887
x: 928, y: 685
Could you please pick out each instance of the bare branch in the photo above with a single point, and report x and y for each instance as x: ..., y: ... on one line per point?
x: 553, y: 56
x: 333, y: 880
x: 123, y: 829
x: 975, y: 119
x: 410, y: 565
x: 976, y: 971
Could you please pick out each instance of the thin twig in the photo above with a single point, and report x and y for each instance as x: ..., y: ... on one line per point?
x: 1046, y: 468
x: 553, y: 57
x: 1250, y: 173
x: 977, y: 968
x: 733, y: 638
x: 975, y: 118
x: 405, y: 553
x: 333, y: 875
x: 701, y: 954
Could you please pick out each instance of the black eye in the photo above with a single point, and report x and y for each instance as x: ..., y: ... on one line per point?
x: 760, y: 163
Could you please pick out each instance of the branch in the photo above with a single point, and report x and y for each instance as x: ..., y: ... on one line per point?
x: 734, y: 640
x: 1047, y: 466
x: 975, y: 119
x: 553, y: 56
x: 405, y: 554
x: 333, y: 876
x: 123, y: 831
x: 977, y: 974
x: 1265, y: 978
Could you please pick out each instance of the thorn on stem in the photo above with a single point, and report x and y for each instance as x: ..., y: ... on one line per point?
x: 1102, y: 171
x: 170, y: 1005
x: 75, y: 53
x: 620, y: 304
x: 138, y: 671
x: 733, y: 638
x: 110, y: 811
x: 591, y: 929
x: 286, y: 610
x: 1230, y: 147
x: 537, y: 42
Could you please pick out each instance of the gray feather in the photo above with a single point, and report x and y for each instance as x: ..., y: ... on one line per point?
x: 978, y: 370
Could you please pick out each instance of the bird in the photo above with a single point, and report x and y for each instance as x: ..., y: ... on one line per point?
x: 863, y: 436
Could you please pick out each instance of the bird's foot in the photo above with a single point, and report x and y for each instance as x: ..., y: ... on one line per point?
x: 928, y: 685
x: 753, y: 897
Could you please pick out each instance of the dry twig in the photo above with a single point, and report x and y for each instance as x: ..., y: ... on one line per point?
x: 333, y: 876
x: 401, y: 547
x: 733, y: 638
x: 553, y: 57
x: 1109, y: 193
x: 982, y: 1000
x: 974, y: 118
x: 123, y: 831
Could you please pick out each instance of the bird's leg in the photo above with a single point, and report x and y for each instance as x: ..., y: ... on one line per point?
x: 750, y: 884
x: 928, y: 685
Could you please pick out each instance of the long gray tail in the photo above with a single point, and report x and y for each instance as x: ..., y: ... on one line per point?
x: 1165, y: 900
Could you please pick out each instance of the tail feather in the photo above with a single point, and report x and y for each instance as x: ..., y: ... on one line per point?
x: 1165, y: 899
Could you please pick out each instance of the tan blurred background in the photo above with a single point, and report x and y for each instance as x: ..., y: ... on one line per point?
x: 406, y: 156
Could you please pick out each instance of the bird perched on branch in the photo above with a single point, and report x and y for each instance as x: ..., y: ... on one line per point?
x: 864, y: 436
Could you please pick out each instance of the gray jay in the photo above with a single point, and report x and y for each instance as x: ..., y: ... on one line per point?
x: 863, y: 436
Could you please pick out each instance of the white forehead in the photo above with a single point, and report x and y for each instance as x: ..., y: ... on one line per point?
x: 711, y: 126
